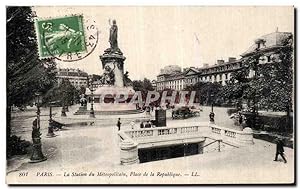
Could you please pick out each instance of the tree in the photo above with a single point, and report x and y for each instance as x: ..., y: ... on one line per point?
x: 206, y: 92
x: 143, y: 86
x: 65, y: 93
x: 271, y: 87
x: 276, y: 79
x: 26, y: 73
x: 82, y: 90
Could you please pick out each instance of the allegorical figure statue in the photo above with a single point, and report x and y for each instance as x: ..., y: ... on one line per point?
x: 108, y: 76
x: 113, y: 35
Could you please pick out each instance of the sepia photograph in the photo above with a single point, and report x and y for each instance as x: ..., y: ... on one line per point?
x: 150, y: 95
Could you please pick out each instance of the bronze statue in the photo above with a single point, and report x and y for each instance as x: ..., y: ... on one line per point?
x: 126, y: 79
x: 113, y: 35
x: 113, y: 38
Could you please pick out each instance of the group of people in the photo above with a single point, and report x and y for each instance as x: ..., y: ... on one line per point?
x: 147, y: 124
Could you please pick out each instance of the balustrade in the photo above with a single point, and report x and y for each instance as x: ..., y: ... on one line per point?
x: 230, y: 134
x: 167, y: 131
x: 245, y: 136
x: 216, y: 130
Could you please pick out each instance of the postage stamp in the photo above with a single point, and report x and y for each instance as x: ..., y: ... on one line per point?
x: 65, y: 38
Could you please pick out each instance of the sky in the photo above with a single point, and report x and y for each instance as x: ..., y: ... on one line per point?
x: 153, y: 37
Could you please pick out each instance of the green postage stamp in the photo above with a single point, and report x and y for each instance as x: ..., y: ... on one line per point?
x: 60, y: 36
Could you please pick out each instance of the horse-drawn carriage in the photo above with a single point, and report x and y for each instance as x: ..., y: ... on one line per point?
x: 184, y: 112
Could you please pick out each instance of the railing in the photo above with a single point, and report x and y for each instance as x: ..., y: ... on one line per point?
x: 131, y: 139
x: 215, y: 130
x: 166, y: 132
x: 244, y: 137
x: 231, y: 134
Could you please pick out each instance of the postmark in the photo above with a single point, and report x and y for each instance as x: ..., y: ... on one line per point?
x: 68, y: 38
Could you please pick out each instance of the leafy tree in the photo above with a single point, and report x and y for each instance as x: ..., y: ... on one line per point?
x: 207, y: 92
x: 272, y: 84
x: 276, y: 80
x: 65, y: 93
x: 26, y: 73
x: 143, y: 86
x: 271, y: 87
x: 82, y: 90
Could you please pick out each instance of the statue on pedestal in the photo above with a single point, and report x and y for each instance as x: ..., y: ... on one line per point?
x: 113, y: 39
x: 108, y: 76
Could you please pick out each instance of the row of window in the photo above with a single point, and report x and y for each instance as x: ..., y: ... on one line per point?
x: 222, y: 68
x: 180, y: 84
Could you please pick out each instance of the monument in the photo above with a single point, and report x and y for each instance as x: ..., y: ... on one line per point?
x: 113, y: 81
x: 113, y: 60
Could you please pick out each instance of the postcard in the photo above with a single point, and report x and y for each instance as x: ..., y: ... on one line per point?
x: 150, y: 95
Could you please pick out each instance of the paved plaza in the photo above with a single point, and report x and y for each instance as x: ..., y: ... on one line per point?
x: 96, y: 147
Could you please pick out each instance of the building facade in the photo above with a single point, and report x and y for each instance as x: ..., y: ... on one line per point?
x: 76, y: 77
x: 221, y: 72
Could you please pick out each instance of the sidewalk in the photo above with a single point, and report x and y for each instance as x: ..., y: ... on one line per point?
x: 96, y: 149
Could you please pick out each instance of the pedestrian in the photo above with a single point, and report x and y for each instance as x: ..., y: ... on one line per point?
x: 280, y: 150
x: 148, y: 125
x: 142, y: 125
x: 240, y: 118
x: 119, y: 124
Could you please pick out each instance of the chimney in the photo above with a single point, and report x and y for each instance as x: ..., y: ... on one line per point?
x: 220, y: 61
x: 205, y: 65
x: 231, y: 59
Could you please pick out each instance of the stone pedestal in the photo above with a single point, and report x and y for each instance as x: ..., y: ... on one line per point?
x: 37, y: 154
x: 129, y: 152
x: 116, y: 62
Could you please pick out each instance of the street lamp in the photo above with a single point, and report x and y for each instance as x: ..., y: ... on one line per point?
x: 92, y: 113
x: 50, y: 133
x: 37, y: 154
x: 212, y: 114
x: 63, y: 111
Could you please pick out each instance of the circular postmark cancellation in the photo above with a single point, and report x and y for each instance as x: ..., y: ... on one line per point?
x: 69, y: 38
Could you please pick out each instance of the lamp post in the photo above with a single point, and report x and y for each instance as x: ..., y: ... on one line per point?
x: 63, y: 111
x: 92, y: 113
x: 50, y: 133
x: 212, y: 114
x: 37, y: 154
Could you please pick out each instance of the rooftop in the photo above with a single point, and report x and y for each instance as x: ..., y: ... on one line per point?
x: 71, y: 72
x: 275, y: 39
